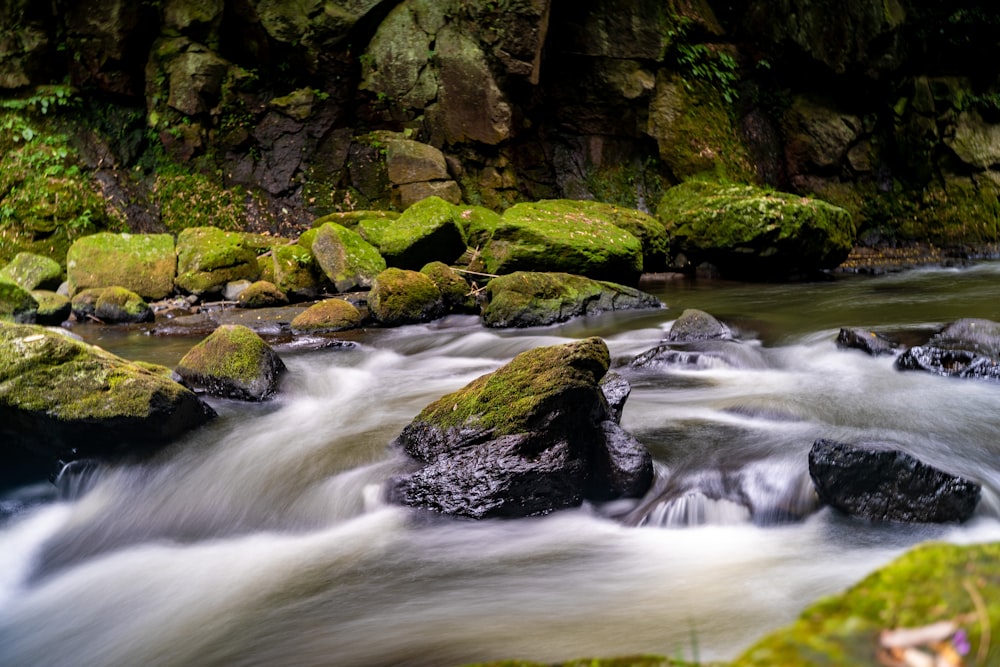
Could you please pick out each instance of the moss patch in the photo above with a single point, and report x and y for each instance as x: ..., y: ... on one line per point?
x: 399, y: 297
x: 143, y: 263
x: 208, y: 258
x: 233, y: 361
x: 16, y: 304
x: 327, y: 316
x: 348, y: 261
x: 32, y: 271
x: 454, y: 288
x: 262, y: 294
x: 427, y: 231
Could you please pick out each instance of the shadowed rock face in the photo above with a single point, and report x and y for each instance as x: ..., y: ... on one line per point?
x: 873, y: 482
x: 535, y: 436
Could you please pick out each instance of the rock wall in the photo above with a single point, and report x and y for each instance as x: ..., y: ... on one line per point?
x: 880, y: 106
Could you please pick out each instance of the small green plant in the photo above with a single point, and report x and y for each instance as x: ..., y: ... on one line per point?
x: 700, y: 61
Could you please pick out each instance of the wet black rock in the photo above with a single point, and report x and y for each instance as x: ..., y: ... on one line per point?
x: 694, y: 324
x: 968, y: 348
x: 874, y: 481
x: 867, y: 341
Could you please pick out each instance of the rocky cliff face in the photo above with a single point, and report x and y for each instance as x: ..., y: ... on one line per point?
x: 880, y: 106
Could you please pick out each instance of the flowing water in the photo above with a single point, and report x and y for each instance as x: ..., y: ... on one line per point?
x: 263, y: 539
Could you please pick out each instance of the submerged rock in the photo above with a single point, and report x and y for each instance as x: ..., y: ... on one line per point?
x: 869, y: 342
x: 63, y: 399
x: 875, y: 482
x: 233, y: 362
x: 535, y: 436
x: 967, y: 348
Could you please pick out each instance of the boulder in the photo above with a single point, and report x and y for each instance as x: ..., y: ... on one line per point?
x: 233, y: 362
x: 532, y: 437
x: 112, y: 305
x: 404, y: 297
x: 967, y: 348
x: 697, y: 340
x: 294, y: 271
x: 870, y: 342
x: 261, y: 294
x: 875, y: 482
x: 16, y: 304
x: 479, y: 223
x: 751, y: 232
x: 526, y: 299
x: 455, y: 290
x: 694, y: 324
x: 142, y: 263
x: 558, y: 235
x: 64, y: 399
x: 31, y: 272
x: 53, y: 308
x: 208, y: 258
x: 348, y: 261
x: 327, y: 316
x: 427, y: 231
x: 652, y: 234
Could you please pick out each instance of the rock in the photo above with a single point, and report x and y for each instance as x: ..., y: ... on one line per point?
x: 616, y: 390
x: 348, y: 261
x: 479, y: 223
x: 874, y: 482
x: 261, y: 294
x: 818, y: 137
x: 404, y: 297
x: 111, y: 305
x: 64, y: 399
x: 975, y: 141
x: 694, y: 324
x: 556, y: 235
x: 32, y: 272
x: 53, y: 308
x: 142, y: 263
x: 455, y: 290
x: 295, y: 271
x: 208, y: 258
x: 532, y: 437
x: 410, y: 161
x: 16, y: 304
x: 233, y: 362
x: 755, y: 233
x: 870, y: 342
x: 327, y: 316
x: 968, y: 348
x: 351, y: 219
x: 411, y: 193
x: 526, y: 299
x: 396, y: 63
x: 427, y: 231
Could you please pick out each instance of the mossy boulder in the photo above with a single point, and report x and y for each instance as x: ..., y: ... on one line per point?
x: 62, y: 399
x: 327, y: 316
x: 650, y: 231
x: 526, y: 299
x: 208, y: 258
x: 558, y: 235
x: 53, y: 308
x: 479, y: 223
x: 399, y: 297
x: 932, y: 583
x: 752, y: 232
x: 142, y: 263
x: 261, y: 294
x: 427, y: 231
x: 454, y: 288
x: 352, y: 219
x: 233, y: 362
x: 533, y: 437
x: 16, y: 304
x: 111, y: 305
x: 32, y: 272
x: 373, y: 229
x: 295, y: 271
x: 347, y: 260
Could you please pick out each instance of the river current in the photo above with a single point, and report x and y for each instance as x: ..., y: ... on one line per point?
x: 264, y: 539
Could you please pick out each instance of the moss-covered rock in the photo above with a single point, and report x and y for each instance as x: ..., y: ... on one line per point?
x: 427, y: 231
x: 352, y: 219
x: 16, y: 304
x: 295, y: 271
x: 454, y: 288
x: 143, y: 263
x: 348, y: 261
x: 208, y: 258
x: 233, y: 362
x: 53, y: 308
x: 399, y: 297
x: 64, y: 399
x: 262, y: 294
x: 526, y: 299
x: 752, y: 232
x: 111, y: 305
x: 32, y: 272
x: 327, y: 316
x: 479, y: 223
x: 373, y: 229
x: 558, y: 235
x: 932, y: 583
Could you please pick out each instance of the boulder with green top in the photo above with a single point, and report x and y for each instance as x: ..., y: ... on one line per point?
x: 143, y: 263
x: 348, y: 261
x: 479, y: 223
x: 455, y: 290
x: 528, y: 299
x: 64, y: 399
x: 32, y: 272
x: 535, y: 436
x: 427, y: 231
x: 53, y: 308
x: 652, y: 234
x: 557, y: 235
x: 261, y: 294
x: 327, y: 316
x: 110, y: 305
x: 751, y: 232
x: 16, y: 304
x: 208, y: 258
x: 352, y: 219
x: 293, y: 269
x: 233, y: 362
x: 400, y: 297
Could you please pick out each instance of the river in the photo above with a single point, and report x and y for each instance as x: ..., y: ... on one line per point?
x: 263, y: 539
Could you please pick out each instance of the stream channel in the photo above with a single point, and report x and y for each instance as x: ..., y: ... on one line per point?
x: 264, y: 539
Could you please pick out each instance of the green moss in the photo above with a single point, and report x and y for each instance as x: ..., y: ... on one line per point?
x: 143, y: 263
x: 295, y: 270
x: 479, y: 223
x: 208, y: 258
x: 32, y: 271
x: 120, y: 299
x: 262, y: 294
x: 509, y: 399
x: 930, y: 583
x: 346, y: 258
x: 327, y: 316
x: 373, y: 229
x: 351, y: 219
x: 232, y: 352
x: 428, y: 230
x: 53, y: 308
x: 399, y: 296
x: 194, y: 199
x: 454, y: 288
x: 16, y: 304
